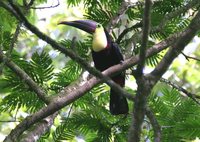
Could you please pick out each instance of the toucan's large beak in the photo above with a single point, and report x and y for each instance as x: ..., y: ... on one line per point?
x: 88, y: 26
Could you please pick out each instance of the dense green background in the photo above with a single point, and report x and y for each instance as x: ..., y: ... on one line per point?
x: 89, y: 118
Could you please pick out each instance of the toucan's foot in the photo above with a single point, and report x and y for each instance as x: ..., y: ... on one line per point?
x: 121, y: 62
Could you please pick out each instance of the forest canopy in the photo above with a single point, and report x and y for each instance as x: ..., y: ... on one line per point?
x: 52, y: 90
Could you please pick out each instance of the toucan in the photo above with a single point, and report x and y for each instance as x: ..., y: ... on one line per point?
x: 105, y: 53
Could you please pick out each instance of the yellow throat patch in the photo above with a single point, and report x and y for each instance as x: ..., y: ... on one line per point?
x: 99, y: 41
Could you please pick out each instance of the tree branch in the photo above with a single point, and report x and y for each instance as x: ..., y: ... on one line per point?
x: 27, y: 79
x: 145, y: 35
x: 176, y: 49
x: 168, y: 17
x: 142, y: 82
x: 155, y: 125
x: 115, y: 19
x: 40, y: 128
x: 14, y: 40
x: 178, y: 12
x: 181, y: 89
x: 189, y: 57
x: 120, y: 37
x: 31, y: 3
x: 45, y: 7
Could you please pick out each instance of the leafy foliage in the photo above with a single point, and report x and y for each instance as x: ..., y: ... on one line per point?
x: 40, y: 69
x: 92, y: 121
x: 177, y: 115
x: 43, y: 69
x: 89, y: 118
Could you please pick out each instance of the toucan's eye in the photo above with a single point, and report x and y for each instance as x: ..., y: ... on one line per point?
x: 98, y: 25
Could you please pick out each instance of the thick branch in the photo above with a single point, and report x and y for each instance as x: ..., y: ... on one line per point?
x: 142, y: 83
x: 39, y: 129
x: 146, y: 26
x: 176, y: 49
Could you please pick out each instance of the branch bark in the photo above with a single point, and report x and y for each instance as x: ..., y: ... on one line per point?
x: 115, y: 19
x: 142, y: 82
x: 176, y: 49
x: 39, y: 129
x: 145, y: 35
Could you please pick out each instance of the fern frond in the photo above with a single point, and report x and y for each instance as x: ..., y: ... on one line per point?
x: 63, y: 133
x: 70, y: 73
x: 100, y: 16
x: 43, y: 68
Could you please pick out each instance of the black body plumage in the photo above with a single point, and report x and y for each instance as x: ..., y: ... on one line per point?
x: 104, y: 59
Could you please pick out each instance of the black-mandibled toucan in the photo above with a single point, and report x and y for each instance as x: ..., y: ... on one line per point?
x: 105, y: 54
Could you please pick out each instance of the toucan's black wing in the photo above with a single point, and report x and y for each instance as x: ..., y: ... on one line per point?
x: 104, y: 59
x: 117, y: 52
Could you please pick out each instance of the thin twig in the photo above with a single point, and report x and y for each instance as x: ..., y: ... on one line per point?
x: 8, y: 121
x: 181, y: 89
x: 46, y: 7
x: 115, y: 19
x: 70, y: 110
x: 189, y: 57
x: 155, y: 125
x: 137, y: 25
x: 14, y: 39
x: 31, y: 3
x: 12, y: 44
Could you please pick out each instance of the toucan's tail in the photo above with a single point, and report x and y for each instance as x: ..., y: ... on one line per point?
x: 118, y: 103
